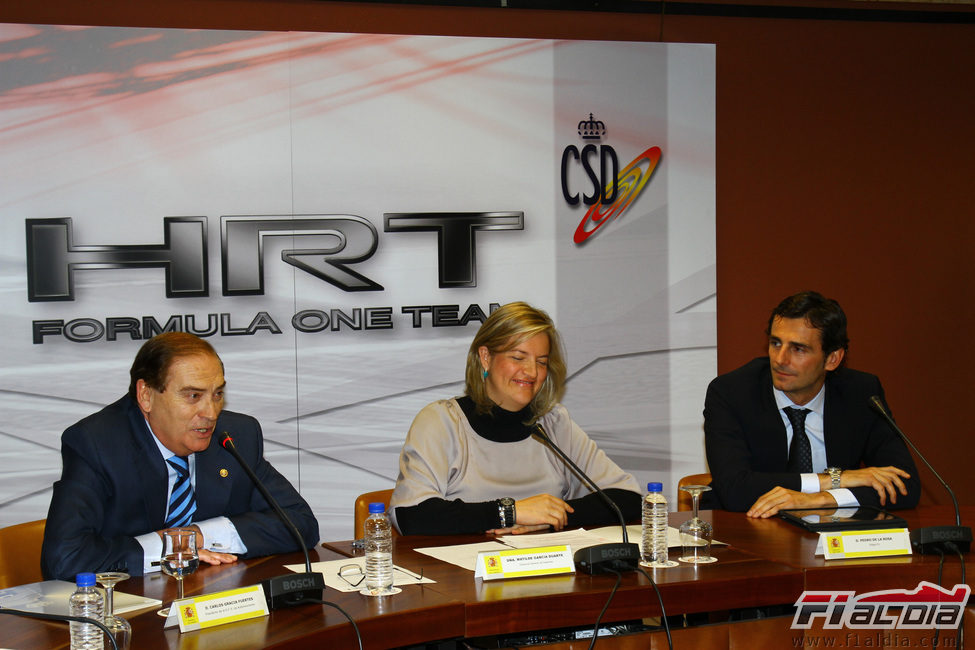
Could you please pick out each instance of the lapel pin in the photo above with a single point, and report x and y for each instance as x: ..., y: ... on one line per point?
x: 224, y: 473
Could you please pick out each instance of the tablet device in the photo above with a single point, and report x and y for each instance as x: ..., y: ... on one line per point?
x: 820, y: 520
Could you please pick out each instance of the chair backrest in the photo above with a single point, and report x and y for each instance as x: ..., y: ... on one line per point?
x: 362, y: 509
x: 20, y: 553
x: 684, y: 500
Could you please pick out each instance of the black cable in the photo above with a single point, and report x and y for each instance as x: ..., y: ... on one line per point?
x: 941, y: 568
x: 663, y: 612
x: 62, y: 618
x: 960, y: 633
x: 595, y: 629
x: 318, y: 601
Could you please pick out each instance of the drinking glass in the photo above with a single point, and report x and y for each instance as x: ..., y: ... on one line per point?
x: 695, y: 533
x: 121, y: 629
x: 179, y: 557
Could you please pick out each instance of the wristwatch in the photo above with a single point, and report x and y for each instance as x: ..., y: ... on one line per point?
x: 834, y: 477
x: 506, y: 510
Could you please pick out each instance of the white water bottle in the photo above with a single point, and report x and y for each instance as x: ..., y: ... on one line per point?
x: 86, y: 601
x: 379, y: 551
x: 653, y: 550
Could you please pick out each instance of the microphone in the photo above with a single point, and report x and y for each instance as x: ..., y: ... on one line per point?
x: 287, y: 590
x: 598, y: 558
x: 931, y: 539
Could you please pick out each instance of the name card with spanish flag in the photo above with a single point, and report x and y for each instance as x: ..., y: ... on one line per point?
x: 219, y: 608
x: 848, y: 544
x: 524, y: 562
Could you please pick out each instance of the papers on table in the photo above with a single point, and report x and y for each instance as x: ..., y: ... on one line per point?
x: 462, y: 555
x: 465, y: 555
x: 51, y: 597
x: 401, y: 577
x: 635, y: 534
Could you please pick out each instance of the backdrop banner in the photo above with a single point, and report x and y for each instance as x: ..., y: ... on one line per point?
x: 337, y: 214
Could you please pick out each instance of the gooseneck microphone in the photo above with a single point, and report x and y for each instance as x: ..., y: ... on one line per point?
x: 286, y: 590
x: 598, y: 558
x: 931, y: 539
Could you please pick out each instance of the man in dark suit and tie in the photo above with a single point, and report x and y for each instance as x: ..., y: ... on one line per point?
x: 796, y: 429
x: 150, y: 461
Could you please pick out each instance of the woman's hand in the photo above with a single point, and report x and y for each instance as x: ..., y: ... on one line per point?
x: 542, y: 509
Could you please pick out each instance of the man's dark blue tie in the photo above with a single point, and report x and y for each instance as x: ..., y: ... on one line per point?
x: 800, y: 454
x: 182, y: 502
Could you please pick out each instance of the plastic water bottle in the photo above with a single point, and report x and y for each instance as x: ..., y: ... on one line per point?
x: 653, y: 550
x: 379, y: 551
x: 86, y: 601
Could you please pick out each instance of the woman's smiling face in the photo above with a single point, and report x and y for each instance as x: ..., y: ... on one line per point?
x: 515, y: 376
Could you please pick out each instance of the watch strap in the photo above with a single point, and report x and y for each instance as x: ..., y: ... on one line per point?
x: 834, y: 477
x: 506, y: 512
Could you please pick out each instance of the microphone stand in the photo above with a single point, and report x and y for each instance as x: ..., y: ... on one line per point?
x: 602, y: 557
x: 287, y: 590
x: 931, y: 539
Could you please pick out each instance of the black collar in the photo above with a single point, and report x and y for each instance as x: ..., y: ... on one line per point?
x: 498, y: 425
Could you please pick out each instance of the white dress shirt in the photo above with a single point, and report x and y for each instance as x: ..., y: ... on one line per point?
x: 817, y: 443
x: 219, y: 533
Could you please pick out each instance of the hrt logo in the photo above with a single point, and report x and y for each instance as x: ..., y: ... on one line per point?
x: 926, y: 607
x: 53, y: 257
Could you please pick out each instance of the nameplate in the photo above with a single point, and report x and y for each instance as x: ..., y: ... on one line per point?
x: 847, y: 544
x: 524, y: 562
x: 217, y: 609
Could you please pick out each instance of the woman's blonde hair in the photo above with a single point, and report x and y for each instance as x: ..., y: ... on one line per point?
x: 504, y: 330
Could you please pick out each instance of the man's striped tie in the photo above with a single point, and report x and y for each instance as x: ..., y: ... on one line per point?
x: 182, y: 502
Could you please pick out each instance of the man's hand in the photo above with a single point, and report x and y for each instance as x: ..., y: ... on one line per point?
x: 212, y: 557
x: 779, y: 498
x: 206, y: 555
x: 196, y: 529
x: 542, y: 509
x: 885, y: 480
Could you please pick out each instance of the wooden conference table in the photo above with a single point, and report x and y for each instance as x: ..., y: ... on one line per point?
x: 766, y: 562
x: 779, y: 541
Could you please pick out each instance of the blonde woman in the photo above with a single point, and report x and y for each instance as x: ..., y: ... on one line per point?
x: 470, y: 465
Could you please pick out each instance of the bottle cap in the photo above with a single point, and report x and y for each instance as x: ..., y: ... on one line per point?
x: 655, y: 487
x: 85, y: 580
x: 377, y: 507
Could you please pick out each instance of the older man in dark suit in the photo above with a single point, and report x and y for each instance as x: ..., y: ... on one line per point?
x: 149, y: 461
x: 796, y: 430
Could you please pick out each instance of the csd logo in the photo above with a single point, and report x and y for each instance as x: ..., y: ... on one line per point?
x: 613, y: 191
x: 605, y: 185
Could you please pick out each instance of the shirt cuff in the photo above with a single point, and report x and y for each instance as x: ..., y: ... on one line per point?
x: 844, y: 498
x: 220, y: 535
x: 151, y: 545
x: 810, y: 483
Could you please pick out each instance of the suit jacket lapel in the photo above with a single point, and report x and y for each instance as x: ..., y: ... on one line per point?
x: 832, y: 423
x: 150, y: 469
x: 771, y: 419
x: 214, y: 480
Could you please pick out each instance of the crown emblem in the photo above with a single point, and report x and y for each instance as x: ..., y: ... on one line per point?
x: 592, y: 129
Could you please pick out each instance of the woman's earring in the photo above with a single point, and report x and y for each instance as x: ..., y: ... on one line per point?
x: 484, y: 374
